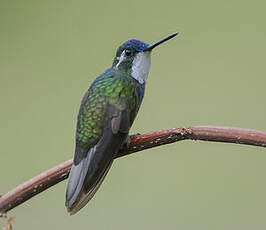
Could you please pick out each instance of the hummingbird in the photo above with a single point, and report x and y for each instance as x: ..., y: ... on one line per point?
x: 106, y: 114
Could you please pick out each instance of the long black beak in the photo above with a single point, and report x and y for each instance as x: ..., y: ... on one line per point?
x: 150, y: 47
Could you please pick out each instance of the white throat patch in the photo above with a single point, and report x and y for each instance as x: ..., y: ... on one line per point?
x: 141, y: 66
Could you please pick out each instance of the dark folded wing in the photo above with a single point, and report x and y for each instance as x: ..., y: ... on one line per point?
x: 87, y: 174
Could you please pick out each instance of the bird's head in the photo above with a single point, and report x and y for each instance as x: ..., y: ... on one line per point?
x: 134, y: 58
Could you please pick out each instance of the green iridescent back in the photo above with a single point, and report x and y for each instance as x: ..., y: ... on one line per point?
x: 112, y: 87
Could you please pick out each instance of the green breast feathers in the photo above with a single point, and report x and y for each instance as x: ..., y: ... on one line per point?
x: 118, y: 90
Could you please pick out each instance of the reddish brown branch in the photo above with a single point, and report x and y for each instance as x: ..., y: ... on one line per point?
x: 138, y: 143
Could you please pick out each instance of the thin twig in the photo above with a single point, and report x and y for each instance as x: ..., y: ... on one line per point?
x: 60, y: 172
x: 8, y: 222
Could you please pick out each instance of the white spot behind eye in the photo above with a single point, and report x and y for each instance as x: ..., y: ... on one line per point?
x: 121, y: 58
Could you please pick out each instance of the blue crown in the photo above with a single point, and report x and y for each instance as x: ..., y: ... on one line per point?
x: 136, y: 44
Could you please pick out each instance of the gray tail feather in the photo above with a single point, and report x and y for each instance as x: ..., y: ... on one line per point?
x: 85, y: 198
x: 76, y: 197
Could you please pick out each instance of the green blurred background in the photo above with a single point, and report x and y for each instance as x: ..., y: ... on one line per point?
x: 213, y: 73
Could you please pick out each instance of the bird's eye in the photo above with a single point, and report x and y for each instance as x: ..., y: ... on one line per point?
x: 128, y: 52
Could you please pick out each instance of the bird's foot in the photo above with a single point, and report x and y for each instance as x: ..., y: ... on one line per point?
x: 134, y: 135
x: 128, y: 140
